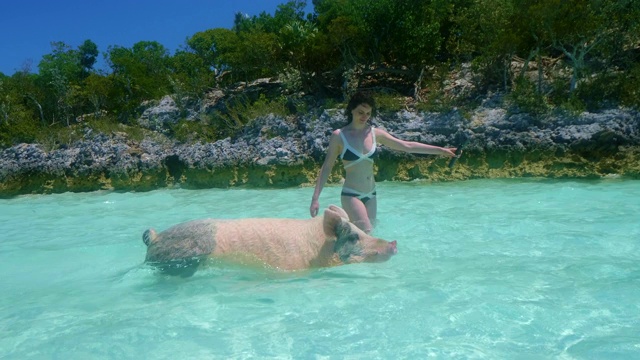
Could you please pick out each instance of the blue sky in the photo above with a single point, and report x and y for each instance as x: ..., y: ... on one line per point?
x: 28, y: 27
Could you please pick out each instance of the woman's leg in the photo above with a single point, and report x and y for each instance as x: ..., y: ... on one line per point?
x: 361, y: 214
x: 372, y: 211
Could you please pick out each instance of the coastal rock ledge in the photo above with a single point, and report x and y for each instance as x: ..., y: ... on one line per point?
x: 275, y: 151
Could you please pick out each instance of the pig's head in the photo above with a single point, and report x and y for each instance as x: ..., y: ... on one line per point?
x: 352, y: 244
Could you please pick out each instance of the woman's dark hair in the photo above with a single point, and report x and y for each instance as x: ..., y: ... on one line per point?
x: 358, y: 99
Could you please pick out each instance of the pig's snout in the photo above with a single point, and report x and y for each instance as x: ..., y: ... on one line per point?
x: 392, y: 249
x: 385, y: 252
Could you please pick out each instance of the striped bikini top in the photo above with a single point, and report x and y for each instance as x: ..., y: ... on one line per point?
x: 353, y: 155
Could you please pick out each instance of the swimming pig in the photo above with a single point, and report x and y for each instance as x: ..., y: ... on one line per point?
x: 284, y: 244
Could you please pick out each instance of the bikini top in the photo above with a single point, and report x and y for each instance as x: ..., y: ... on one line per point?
x: 353, y: 155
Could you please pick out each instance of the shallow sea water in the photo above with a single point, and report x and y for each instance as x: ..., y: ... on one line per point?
x: 486, y: 269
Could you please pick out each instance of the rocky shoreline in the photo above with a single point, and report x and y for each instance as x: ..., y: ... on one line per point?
x: 275, y: 151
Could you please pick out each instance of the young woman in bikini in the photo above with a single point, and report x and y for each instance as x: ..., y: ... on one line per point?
x: 355, y: 144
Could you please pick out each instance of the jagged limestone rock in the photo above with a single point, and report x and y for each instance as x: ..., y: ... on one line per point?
x: 274, y: 151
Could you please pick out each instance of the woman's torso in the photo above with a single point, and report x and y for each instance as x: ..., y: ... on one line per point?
x: 358, y: 149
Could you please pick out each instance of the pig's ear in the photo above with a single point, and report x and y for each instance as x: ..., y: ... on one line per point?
x: 346, y: 242
x: 338, y: 210
x: 149, y: 237
x: 333, y: 216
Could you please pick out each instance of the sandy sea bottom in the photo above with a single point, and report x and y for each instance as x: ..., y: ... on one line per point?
x: 486, y: 269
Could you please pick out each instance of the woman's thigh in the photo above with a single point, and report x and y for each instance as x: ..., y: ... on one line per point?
x: 372, y: 210
x: 359, y: 213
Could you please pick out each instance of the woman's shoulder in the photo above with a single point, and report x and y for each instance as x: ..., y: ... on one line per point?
x: 378, y: 130
x: 336, y: 137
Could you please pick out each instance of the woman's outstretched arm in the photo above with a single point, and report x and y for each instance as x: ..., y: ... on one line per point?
x: 414, y: 147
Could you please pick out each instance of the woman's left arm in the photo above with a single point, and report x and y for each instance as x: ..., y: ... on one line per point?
x: 388, y: 140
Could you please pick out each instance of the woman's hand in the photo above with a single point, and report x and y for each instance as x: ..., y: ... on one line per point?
x: 450, y: 152
x: 313, y: 209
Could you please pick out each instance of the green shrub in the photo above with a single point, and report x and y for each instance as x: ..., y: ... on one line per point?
x: 24, y: 131
x: 525, y: 97
x: 110, y: 125
x: 56, y: 136
x: 598, y: 92
x: 240, y: 112
x: 572, y: 105
x: 195, y: 131
x: 437, y: 101
x: 630, y: 91
x: 388, y: 102
x: 264, y: 106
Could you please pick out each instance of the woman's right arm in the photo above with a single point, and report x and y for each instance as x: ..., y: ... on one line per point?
x: 335, y: 147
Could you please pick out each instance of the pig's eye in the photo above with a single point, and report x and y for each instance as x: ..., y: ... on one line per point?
x: 353, y: 237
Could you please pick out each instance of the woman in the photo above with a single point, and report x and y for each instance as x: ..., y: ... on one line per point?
x: 355, y: 144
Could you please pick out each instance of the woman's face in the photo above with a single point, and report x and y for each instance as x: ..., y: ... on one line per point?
x: 361, y: 114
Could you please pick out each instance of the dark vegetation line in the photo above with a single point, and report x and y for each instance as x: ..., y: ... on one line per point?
x: 543, y: 55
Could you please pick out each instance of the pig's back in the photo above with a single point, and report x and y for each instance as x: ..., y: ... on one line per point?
x: 182, y: 241
x: 287, y: 244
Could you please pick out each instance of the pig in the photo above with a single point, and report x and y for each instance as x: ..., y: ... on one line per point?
x: 282, y: 244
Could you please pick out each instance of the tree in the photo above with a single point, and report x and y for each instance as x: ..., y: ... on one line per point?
x: 21, y: 115
x: 139, y: 73
x: 59, y: 72
x: 96, y: 88
x: 295, y: 40
x: 342, y: 29
x: 88, y: 54
x: 245, y: 55
x: 599, y: 23
x: 285, y: 13
x: 190, y: 75
x: 212, y: 46
x: 253, y: 56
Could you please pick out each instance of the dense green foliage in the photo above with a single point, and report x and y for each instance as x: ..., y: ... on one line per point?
x: 574, y: 54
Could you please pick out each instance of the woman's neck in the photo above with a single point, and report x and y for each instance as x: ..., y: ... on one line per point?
x: 357, y: 126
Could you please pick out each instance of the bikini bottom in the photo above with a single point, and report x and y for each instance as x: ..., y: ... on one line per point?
x: 358, y: 194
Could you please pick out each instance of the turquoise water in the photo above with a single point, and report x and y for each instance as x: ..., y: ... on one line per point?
x: 486, y: 269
